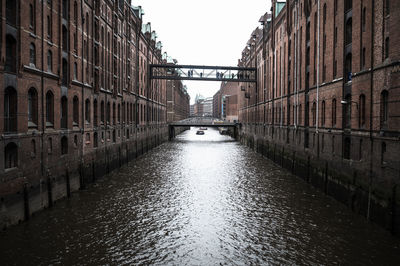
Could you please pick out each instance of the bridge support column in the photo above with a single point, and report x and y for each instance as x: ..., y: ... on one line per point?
x: 171, y: 132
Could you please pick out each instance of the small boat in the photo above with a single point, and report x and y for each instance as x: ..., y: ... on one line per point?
x: 200, y: 132
x: 203, y: 128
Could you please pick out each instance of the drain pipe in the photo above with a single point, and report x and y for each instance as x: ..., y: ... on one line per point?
x: 371, y: 109
x: 317, y: 111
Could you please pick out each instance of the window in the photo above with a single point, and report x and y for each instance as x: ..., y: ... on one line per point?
x: 76, y: 13
x: 363, y: 58
x: 87, y: 23
x: 349, y: 31
x: 87, y: 110
x: 75, y: 71
x: 362, y: 110
x: 50, y: 146
x: 102, y: 112
x: 384, y: 108
x: 32, y: 13
x: 64, y: 80
x: 346, y: 148
x: 387, y: 7
x: 64, y: 145
x: 32, y: 55
x: 10, y: 110
x: 32, y: 107
x: 11, y: 12
x: 113, y: 114
x: 11, y: 156
x: 314, y: 114
x: 49, y: 61
x: 65, y: 9
x: 49, y: 26
x: 11, y: 54
x: 64, y: 112
x: 75, y: 111
x: 347, y: 111
x: 95, y: 118
x: 108, y: 112
x: 323, y: 114
x: 49, y: 108
x: 387, y: 47
x: 95, y: 140
x: 33, y: 148
x: 363, y: 18
x: 119, y: 113
x: 64, y: 39
x: 348, y: 5
x: 383, y: 152
x: 348, y: 68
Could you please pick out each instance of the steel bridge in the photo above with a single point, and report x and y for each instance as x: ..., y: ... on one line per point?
x: 203, y: 73
x: 201, y: 122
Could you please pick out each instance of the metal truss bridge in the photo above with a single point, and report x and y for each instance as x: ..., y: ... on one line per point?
x: 202, y: 122
x: 203, y: 73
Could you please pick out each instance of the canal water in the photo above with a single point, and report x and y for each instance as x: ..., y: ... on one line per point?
x: 198, y: 200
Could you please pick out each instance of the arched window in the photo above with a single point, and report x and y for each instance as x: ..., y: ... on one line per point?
x: 33, y: 148
x: 49, y: 108
x: 64, y: 80
x: 49, y: 61
x: 75, y: 111
x: 87, y: 23
x: 64, y: 145
x: 349, y: 31
x: 323, y: 113
x: 10, y: 110
x: 333, y: 112
x: 95, y: 118
x: 32, y: 54
x: 87, y: 110
x: 314, y: 113
x: 362, y: 110
x: 64, y: 112
x: 49, y: 27
x: 11, y: 54
x: 11, y: 12
x: 32, y: 108
x: 11, y: 156
x: 387, y: 7
x: 363, y: 18
x: 384, y: 108
x: 102, y: 112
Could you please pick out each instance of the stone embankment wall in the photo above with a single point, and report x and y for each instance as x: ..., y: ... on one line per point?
x: 26, y: 195
x: 369, y: 194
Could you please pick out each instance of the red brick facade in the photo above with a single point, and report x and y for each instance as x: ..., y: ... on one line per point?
x: 76, y: 93
x: 328, y: 89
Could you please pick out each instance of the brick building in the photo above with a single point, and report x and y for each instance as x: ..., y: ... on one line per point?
x: 77, y: 99
x: 225, y: 101
x: 327, y: 98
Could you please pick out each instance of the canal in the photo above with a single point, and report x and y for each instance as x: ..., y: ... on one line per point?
x: 198, y: 200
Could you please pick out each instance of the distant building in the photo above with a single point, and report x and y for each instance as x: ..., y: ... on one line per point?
x: 208, y: 106
x: 225, y: 102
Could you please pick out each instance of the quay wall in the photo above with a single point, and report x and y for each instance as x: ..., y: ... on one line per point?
x: 370, y: 192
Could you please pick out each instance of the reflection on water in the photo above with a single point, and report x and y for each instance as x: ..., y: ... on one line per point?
x: 199, y: 200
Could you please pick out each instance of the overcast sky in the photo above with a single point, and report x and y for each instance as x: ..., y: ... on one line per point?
x: 203, y: 32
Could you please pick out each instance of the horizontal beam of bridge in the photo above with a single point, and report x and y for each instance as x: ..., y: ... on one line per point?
x: 203, y: 73
x: 201, y: 125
